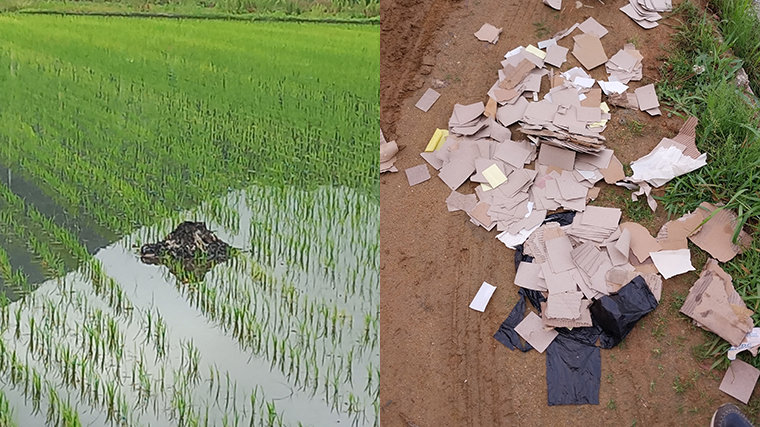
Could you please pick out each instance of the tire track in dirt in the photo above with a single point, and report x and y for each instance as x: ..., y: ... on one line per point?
x: 407, y: 28
x: 482, y: 401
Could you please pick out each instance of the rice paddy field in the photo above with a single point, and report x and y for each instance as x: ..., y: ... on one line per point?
x: 114, y: 130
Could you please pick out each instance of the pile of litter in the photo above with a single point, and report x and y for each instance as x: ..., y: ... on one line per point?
x: 189, y: 251
x: 588, y: 277
x: 644, y: 12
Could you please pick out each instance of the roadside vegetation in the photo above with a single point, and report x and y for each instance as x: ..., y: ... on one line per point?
x: 699, y: 78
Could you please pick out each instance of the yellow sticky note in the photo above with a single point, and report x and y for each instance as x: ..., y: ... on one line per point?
x: 536, y: 51
x: 604, y: 107
x: 597, y: 124
x: 494, y: 176
x: 485, y: 187
x: 437, y: 139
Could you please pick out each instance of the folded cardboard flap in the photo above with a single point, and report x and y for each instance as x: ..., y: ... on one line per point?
x: 715, y: 305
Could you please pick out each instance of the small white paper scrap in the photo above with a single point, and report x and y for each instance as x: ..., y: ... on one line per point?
x: 672, y: 263
x: 482, y: 297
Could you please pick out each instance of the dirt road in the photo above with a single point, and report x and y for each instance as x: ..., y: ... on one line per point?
x: 440, y: 365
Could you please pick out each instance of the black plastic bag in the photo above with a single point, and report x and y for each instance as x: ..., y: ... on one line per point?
x: 573, y: 372
x: 506, y: 333
x: 617, y: 314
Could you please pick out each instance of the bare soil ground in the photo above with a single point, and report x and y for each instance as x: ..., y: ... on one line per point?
x: 440, y: 365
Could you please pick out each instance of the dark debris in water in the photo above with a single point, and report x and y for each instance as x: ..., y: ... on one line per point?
x: 190, y: 251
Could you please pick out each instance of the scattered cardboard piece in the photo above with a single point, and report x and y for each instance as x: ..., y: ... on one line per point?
x: 455, y: 173
x: 427, y: 100
x: 488, y: 33
x: 550, y: 155
x: 647, y: 97
x: 554, y: 4
x: 673, y: 234
x: 740, y: 380
x: 556, y: 55
x: 491, y: 107
x: 388, y: 151
x: 516, y: 74
x: 715, y: 305
x: 588, y: 50
x: 591, y: 26
x: 642, y: 243
x: 602, y: 217
x: 614, y: 172
x: 515, y: 153
x: 558, y: 254
x: 584, y: 320
x: 672, y: 262
x: 432, y: 160
x: 480, y: 214
x: 461, y: 202
x: 417, y: 174
x: 687, y: 137
x: 532, y: 330
x: 633, y: 10
x: 480, y: 301
x: 564, y: 305
x: 527, y: 276
x: 715, y: 236
x: 510, y: 114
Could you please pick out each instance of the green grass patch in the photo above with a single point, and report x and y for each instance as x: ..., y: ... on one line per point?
x: 699, y: 79
x: 740, y: 27
x: 367, y: 11
x: 129, y: 121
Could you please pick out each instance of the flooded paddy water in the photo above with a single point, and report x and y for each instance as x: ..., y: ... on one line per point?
x: 284, y: 333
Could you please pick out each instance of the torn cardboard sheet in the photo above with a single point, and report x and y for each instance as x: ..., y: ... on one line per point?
x: 482, y: 297
x: 739, y: 381
x: 532, y: 330
x: 427, y: 100
x: 715, y: 305
x: 716, y: 235
x: 488, y: 33
x: 642, y: 243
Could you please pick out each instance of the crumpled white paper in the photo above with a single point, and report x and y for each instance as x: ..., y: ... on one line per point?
x: 664, y: 164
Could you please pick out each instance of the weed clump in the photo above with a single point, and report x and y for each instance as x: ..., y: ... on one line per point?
x: 189, y: 251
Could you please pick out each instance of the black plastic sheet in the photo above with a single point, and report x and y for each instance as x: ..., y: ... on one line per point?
x: 617, y: 314
x: 573, y: 372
